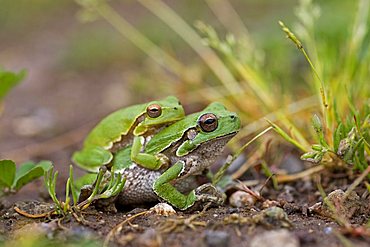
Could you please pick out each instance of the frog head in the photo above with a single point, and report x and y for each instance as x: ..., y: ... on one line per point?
x: 160, y: 112
x: 215, y: 124
x: 209, y: 125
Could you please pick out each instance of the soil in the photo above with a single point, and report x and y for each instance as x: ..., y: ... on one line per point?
x: 59, y: 105
x: 254, y: 224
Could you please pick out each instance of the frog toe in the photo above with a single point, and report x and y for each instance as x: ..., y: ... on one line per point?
x: 163, y: 160
x: 208, y: 194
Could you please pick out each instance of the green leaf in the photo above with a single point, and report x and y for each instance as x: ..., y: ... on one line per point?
x: 338, y: 135
x: 45, y: 164
x: 284, y: 135
x: 314, y: 156
x: 361, y: 155
x: 8, y: 80
x: 72, y: 187
x: 30, y: 171
x: 336, y: 113
x: 317, y: 147
x: 7, y: 173
x: 316, y: 122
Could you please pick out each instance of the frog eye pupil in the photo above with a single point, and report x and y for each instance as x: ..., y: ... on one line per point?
x: 208, y: 122
x: 154, y: 110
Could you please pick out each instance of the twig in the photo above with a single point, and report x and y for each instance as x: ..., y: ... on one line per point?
x: 299, y: 175
x: 222, y: 170
x: 357, y: 182
x: 32, y: 216
x: 245, y: 188
x: 174, y: 21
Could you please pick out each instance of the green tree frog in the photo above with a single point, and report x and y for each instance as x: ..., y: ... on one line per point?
x: 119, y: 129
x: 191, y: 145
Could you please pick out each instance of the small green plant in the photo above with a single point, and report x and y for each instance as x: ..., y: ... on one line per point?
x: 105, y: 190
x: 102, y: 190
x: 13, y: 179
x: 349, y: 143
x: 8, y: 80
x: 350, y: 140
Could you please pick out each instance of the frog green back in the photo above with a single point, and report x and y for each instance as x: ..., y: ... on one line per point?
x: 114, y: 126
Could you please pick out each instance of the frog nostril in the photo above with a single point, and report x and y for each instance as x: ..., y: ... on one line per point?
x: 232, y: 117
x: 175, y: 108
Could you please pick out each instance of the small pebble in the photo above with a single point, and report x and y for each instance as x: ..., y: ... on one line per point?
x: 346, y: 205
x: 276, y: 238
x: 241, y: 199
x: 216, y: 238
x: 328, y: 230
x: 163, y: 209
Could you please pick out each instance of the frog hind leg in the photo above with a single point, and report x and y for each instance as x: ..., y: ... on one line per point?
x: 92, y: 158
x: 121, y: 159
x: 165, y: 190
x: 148, y: 161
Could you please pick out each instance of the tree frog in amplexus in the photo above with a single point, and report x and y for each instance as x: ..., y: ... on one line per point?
x: 190, y: 145
x: 119, y: 129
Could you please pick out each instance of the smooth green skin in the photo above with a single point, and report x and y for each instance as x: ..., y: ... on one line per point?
x: 115, y: 126
x: 162, y: 140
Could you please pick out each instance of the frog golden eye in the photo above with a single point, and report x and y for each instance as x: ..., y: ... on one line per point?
x: 154, y: 110
x: 208, y: 122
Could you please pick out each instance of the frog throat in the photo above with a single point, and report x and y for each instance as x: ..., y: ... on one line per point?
x: 188, y: 146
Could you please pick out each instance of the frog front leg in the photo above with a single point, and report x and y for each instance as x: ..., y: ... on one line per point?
x: 203, y: 194
x: 165, y: 190
x: 148, y: 161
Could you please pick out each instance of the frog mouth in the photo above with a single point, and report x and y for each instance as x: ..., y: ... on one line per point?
x: 229, y: 134
x: 226, y: 136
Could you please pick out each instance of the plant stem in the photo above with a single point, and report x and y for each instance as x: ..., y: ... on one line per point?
x: 223, y: 169
x: 138, y: 39
x: 171, y: 18
x: 323, y: 93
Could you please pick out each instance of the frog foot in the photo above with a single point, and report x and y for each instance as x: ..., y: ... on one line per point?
x: 163, y: 209
x: 209, y: 194
x: 163, y: 160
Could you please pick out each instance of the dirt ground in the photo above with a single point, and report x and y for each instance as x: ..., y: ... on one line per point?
x: 290, y: 224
